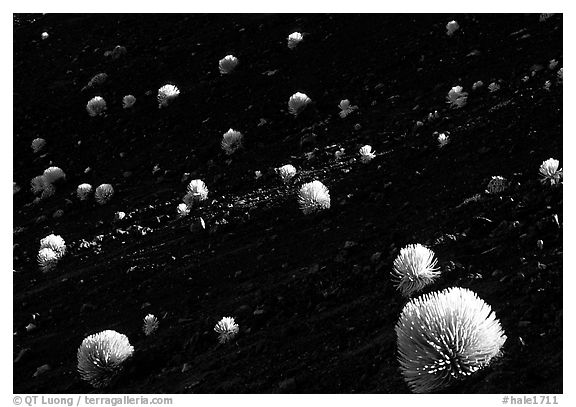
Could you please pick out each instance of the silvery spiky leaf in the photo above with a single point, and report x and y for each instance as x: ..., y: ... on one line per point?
x: 477, y: 85
x: 54, y: 174
x: 55, y: 243
x: 83, y: 191
x: 547, y: 85
x: 294, y: 39
x: 103, y: 194
x: 101, y: 357
x: 44, y: 36
x: 97, y: 80
x: 298, y: 102
x: 338, y: 154
x: 366, y: 154
x: 128, y: 101
x: 549, y: 172
x: 150, y: 324
x: 493, y: 87
x: 545, y: 16
x: 47, y: 259
x: 182, y: 210
x: 313, y: 197
x: 414, y: 269
x: 227, y: 329
x: 96, y: 106
x: 497, y: 185
x: 38, y: 184
x: 166, y: 95
x: 38, y: 144
x: 346, y: 108
x: 457, y: 97
x: 198, y: 190
x: 446, y: 336
x: 451, y: 27
x: 443, y: 139
x: 227, y: 64
x: 286, y: 172
x: 231, y: 141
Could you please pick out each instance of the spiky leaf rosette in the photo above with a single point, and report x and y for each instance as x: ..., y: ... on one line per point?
x: 414, y: 269
x: 83, y: 191
x: 103, y: 194
x: 96, y: 106
x: 298, y: 102
x: 444, y: 337
x: 294, y: 39
x: 128, y: 101
x: 366, y: 154
x: 497, y: 185
x: 38, y: 144
x: 56, y: 243
x: 150, y: 324
x: 286, y: 172
x: 227, y: 329
x: 313, y: 197
x: 227, y: 64
x: 47, y: 259
x: 549, y: 172
x: 231, y: 141
x: 167, y: 94
x: 101, y: 356
x: 54, y: 174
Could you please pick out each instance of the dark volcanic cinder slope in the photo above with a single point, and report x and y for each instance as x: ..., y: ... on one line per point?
x: 316, y: 313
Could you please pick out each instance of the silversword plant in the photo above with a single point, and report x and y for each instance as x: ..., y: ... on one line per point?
x: 457, y: 97
x: 414, y: 269
x: 196, y: 192
x: 101, y: 357
x: 47, y: 259
x: 166, y: 95
x: 346, y: 108
x: 83, y: 191
x: 128, y: 101
x: 477, y: 85
x: 366, y: 154
x: 54, y: 174
x: 182, y: 210
x: 294, y: 39
x: 549, y: 172
x: 313, y: 197
x: 444, y: 337
x: 55, y: 243
x: 103, y: 194
x: 231, y: 141
x: 452, y: 27
x: 96, y: 106
x: 443, y: 139
x: 497, y: 185
x: 286, y: 172
x: 226, y: 329
x: 97, y: 80
x: 298, y: 102
x: 493, y: 87
x: 150, y: 324
x: 38, y: 144
x: 227, y: 64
